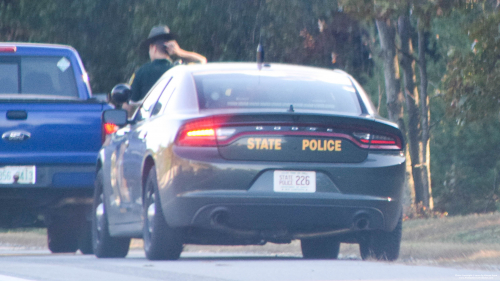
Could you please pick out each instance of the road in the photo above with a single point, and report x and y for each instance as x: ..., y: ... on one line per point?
x: 24, y: 265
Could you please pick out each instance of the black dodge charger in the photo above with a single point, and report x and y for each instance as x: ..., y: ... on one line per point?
x: 244, y: 154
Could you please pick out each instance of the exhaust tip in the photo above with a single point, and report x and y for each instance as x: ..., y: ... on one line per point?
x: 220, y: 217
x: 361, y: 222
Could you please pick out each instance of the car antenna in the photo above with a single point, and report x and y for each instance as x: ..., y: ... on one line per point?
x: 291, y: 109
x: 260, y: 54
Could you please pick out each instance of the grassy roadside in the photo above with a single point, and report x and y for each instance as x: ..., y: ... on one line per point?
x: 471, y: 241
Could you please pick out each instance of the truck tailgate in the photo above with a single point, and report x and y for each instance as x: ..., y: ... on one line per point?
x: 63, y: 132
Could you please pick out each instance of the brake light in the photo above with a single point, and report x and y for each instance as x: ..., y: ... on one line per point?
x: 110, y: 128
x: 201, y: 133
x: 198, y: 133
x: 377, y: 141
x: 8, y: 49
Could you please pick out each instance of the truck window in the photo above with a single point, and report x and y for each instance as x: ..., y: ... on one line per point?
x: 9, y: 78
x: 38, y: 76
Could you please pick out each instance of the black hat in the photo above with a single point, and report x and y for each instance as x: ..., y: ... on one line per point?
x: 159, y: 32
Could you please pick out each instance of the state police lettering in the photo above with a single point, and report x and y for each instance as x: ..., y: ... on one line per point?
x: 264, y: 143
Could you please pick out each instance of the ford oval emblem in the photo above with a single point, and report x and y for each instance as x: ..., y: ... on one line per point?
x: 16, y: 136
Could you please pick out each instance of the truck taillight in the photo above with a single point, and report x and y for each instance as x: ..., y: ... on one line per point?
x: 110, y: 128
x: 8, y: 49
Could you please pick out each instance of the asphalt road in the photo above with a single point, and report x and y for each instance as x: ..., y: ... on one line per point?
x: 23, y: 265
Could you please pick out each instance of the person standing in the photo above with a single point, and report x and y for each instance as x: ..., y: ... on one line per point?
x: 162, y: 45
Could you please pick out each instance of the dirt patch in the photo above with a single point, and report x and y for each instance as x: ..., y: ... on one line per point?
x: 24, y: 238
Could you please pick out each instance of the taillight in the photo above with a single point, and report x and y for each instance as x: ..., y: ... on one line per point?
x: 110, y: 128
x: 198, y: 133
x: 8, y: 49
x: 377, y: 141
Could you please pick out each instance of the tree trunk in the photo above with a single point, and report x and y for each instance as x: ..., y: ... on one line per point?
x: 387, y: 34
x: 424, y: 120
x: 411, y: 96
x: 394, y: 96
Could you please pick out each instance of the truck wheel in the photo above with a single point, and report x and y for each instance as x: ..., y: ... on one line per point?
x: 161, y: 242
x: 104, y: 245
x: 320, y: 248
x: 382, y: 245
x: 61, y: 236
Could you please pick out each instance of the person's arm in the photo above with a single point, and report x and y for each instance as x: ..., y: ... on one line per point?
x: 174, y: 49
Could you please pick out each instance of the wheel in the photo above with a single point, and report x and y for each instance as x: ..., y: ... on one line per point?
x: 85, y: 238
x: 320, y: 248
x: 382, y: 245
x: 104, y: 245
x: 161, y: 242
x: 61, y: 235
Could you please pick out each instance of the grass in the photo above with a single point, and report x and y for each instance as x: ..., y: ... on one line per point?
x: 465, y: 241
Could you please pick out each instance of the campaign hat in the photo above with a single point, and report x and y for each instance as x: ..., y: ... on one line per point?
x: 159, y: 32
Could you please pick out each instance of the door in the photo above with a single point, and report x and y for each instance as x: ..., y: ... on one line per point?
x: 134, y: 154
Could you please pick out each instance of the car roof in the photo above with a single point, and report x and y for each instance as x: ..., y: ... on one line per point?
x: 35, y: 45
x: 268, y: 69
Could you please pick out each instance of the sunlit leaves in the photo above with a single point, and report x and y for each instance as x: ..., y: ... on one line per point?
x: 473, y: 79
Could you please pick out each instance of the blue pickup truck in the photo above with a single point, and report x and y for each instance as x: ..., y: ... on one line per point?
x: 51, y: 131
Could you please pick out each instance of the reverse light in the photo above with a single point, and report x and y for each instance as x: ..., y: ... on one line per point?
x: 384, y: 140
x: 377, y: 141
x: 225, y: 133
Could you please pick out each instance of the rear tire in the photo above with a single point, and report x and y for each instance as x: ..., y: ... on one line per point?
x: 320, y: 248
x: 382, y: 245
x: 104, y: 245
x: 161, y: 242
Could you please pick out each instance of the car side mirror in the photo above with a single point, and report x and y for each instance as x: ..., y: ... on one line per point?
x: 115, y: 116
x: 120, y: 94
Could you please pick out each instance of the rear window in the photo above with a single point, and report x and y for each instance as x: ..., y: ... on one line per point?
x: 37, y: 75
x: 276, y: 90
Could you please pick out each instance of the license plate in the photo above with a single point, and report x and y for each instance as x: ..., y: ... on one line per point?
x: 18, y: 174
x: 295, y: 181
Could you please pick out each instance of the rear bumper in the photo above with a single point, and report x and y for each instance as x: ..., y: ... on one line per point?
x: 238, y: 196
x: 294, y: 213
x: 59, y: 190
x: 59, y: 177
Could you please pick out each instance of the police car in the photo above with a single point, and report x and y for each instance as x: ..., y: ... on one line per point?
x: 245, y: 154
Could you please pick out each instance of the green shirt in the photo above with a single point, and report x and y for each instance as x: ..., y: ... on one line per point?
x: 146, y: 76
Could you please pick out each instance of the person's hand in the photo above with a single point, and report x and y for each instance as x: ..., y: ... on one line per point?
x: 172, y: 47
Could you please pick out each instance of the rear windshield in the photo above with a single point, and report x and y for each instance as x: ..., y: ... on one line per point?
x: 37, y: 75
x: 276, y: 90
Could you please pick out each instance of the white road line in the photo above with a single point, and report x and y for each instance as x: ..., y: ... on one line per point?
x: 10, y: 278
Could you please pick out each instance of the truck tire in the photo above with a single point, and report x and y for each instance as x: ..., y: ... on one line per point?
x: 320, y: 248
x: 61, y: 236
x: 382, y: 245
x: 104, y: 245
x: 161, y: 242
x: 85, y: 238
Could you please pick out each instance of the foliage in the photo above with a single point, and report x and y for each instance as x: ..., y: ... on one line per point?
x: 473, y: 79
x: 466, y: 171
x: 325, y: 33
